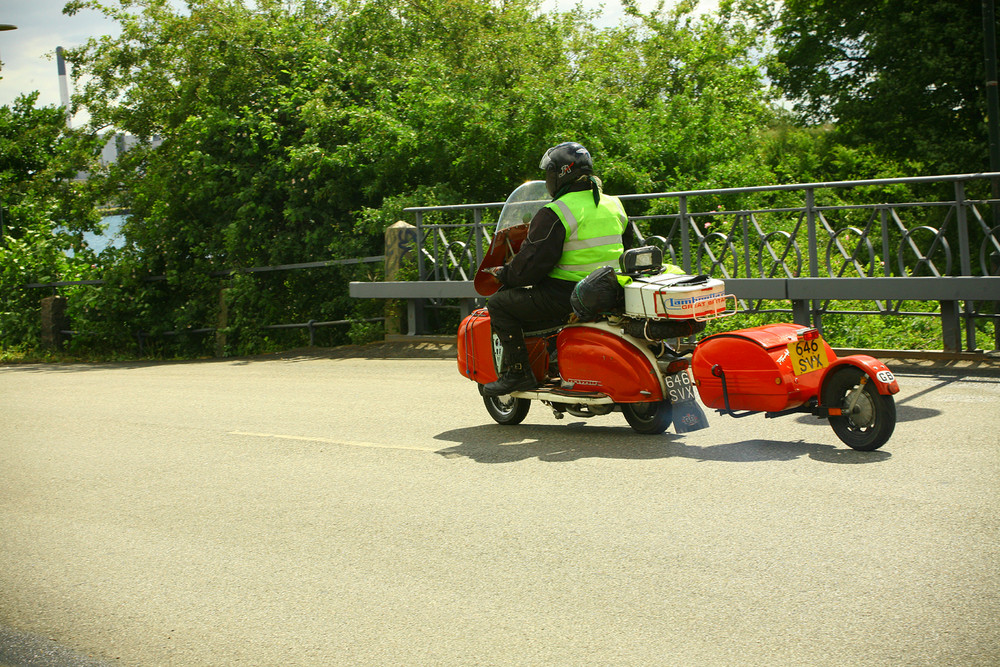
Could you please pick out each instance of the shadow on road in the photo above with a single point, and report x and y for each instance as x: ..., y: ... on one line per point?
x: 909, y: 413
x: 492, y: 443
x: 904, y: 413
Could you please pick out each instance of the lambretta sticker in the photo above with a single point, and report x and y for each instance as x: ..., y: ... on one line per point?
x: 681, y: 303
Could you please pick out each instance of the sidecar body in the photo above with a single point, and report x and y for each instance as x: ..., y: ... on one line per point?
x: 773, y: 368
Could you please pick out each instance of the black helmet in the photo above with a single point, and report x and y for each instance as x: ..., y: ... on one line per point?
x: 565, y: 163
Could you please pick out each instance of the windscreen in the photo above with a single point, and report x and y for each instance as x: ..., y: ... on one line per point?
x: 522, y: 204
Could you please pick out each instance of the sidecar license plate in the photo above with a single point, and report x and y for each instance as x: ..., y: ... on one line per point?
x: 807, y: 356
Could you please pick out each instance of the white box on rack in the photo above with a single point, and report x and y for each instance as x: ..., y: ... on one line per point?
x: 674, y: 297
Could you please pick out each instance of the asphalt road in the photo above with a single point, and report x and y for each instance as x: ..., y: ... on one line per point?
x: 365, y: 510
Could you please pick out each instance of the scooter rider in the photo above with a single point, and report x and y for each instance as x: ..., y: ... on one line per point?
x: 578, y: 231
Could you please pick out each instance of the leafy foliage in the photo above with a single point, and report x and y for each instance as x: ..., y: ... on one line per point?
x: 277, y: 132
x: 905, y: 77
x: 44, y: 210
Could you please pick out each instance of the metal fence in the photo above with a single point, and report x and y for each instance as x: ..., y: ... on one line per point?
x: 311, y: 326
x: 800, y: 249
x: 812, y: 245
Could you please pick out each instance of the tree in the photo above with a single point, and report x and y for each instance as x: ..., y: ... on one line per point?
x: 905, y: 77
x: 295, y: 132
x: 44, y: 208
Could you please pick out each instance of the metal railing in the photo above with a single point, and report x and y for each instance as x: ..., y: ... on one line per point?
x: 804, y: 239
x: 311, y: 326
x: 225, y: 273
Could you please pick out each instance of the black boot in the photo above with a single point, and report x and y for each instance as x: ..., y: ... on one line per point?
x: 516, y: 375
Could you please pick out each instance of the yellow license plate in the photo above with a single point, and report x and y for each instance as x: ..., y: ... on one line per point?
x: 807, y: 356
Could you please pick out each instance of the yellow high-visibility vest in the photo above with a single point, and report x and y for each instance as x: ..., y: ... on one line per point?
x: 593, y: 234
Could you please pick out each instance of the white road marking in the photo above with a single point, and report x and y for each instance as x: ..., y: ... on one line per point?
x: 330, y: 441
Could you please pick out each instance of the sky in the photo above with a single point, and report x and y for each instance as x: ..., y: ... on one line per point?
x: 28, y: 53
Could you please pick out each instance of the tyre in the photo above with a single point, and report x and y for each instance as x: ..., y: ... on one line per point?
x: 873, y: 418
x: 507, y: 409
x: 649, y: 418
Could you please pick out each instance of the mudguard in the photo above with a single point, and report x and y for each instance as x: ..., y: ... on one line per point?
x: 879, y: 373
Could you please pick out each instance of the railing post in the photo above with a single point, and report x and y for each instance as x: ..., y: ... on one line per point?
x: 415, y: 307
x: 962, y: 218
x: 685, y: 233
x: 477, y: 220
x: 412, y: 315
x: 53, y: 321
x: 951, y: 326
x: 418, y: 220
x: 996, y: 327
x: 800, y: 312
x: 965, y: 260
x: 400, y: 239
x: 883, y: 214
x: 810, y: 313
x: 745, y: 225
x: 811, y: 230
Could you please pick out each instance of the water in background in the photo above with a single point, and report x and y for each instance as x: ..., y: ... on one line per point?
x: 112, y: 234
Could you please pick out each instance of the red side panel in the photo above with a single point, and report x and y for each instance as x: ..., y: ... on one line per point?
x: 596, y: 360
x: 753, y: 379
x: 475, y: 348
x: 757, y: 369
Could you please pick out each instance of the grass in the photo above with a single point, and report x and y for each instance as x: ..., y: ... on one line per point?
x: 841, y: 330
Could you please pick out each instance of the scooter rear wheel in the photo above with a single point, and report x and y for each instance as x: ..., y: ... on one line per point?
x: 649, y: 418
x: 873, y: 418
x: 507, y: 410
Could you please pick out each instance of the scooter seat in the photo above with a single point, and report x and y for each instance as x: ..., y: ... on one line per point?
x: 543, y: 329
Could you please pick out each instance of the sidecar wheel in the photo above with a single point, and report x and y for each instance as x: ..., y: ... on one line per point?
x: 507, y: 410
x: 649, y: 418
x: 873, y: 420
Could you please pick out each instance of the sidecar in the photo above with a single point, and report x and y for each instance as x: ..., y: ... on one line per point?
x: 784, y: 368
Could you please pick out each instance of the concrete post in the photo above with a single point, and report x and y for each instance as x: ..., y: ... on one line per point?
x: 220, y: 330
x: 400, y: 240
x: 951, y: 326
x: 53, y: 321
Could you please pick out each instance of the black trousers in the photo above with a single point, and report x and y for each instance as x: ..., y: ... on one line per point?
x: 514, y: 310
